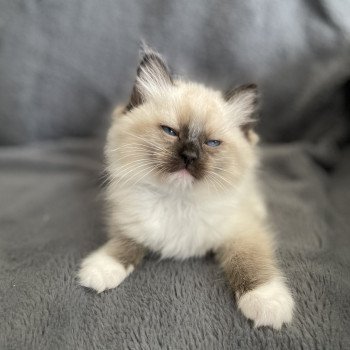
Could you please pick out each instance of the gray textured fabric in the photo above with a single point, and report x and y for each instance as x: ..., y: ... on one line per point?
x: 50, y: 217
x: 63, y: 63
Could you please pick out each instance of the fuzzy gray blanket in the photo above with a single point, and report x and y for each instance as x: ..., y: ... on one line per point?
x: 51, y: 216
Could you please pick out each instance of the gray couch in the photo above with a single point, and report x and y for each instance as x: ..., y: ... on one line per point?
x: 64, y: 64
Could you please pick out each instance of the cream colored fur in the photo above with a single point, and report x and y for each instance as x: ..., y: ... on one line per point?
x: 175, y: 214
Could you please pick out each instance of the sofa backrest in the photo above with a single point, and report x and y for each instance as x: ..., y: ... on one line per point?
x: 64, y: 64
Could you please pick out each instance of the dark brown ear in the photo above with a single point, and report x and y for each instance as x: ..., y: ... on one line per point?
x: 243, y: 101
x: 153, y: 76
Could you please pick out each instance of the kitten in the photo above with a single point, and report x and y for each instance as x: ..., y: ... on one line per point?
x: 181, y: 160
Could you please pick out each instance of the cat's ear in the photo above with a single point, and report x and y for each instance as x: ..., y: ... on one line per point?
x: 153, y: 77
x: 243, y: 103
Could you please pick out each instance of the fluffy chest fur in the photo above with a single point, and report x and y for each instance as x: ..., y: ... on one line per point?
x: 174, y: 224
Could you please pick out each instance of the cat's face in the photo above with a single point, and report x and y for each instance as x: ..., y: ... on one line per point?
x: 180, y: 134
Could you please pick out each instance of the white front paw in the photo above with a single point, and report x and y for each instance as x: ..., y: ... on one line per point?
x: 270, y: 304
x: 100, y: 271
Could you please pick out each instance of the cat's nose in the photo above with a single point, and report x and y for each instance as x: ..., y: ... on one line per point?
x: 188, y: 157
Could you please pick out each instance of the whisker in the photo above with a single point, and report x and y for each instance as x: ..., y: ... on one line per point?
x: 153, y: 153
x: 136, y: 174
x: 207, y: 183
x: 234, y: 174
x: 226, y: 171
x: 120, y: 147
x: 215, y: 182
x: 127, y: 167
x: 218, y: 177
x: 147, y: 141
x: 133, y: 146
x: 143, y: 176
x: 118, y: 175
x: 121, y: 168
x: 223, y: 178
x: 128, y: 155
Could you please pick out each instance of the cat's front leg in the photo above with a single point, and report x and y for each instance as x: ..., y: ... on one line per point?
x: 109, y: 265
x: 261, y: 292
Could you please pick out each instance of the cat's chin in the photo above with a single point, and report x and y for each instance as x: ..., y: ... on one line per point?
x: 181, y: 178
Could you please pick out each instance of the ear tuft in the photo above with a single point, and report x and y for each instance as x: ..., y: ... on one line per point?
x: 246, y: 90
x: 243, y: 102
x: 153, y: 76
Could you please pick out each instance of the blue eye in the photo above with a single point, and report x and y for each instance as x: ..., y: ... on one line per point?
x: 168, y: 130
x: 213, y: 143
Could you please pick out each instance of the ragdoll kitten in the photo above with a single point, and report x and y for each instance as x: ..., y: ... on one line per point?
x: 181, y: 161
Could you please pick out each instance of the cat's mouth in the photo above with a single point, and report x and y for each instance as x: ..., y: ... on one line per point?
x: 182, y: 176
x: 182, y: 173
x: 185, y: 173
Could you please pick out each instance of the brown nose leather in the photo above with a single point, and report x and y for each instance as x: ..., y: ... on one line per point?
x: 188, y: 157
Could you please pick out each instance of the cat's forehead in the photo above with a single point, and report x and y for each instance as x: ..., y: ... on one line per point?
x: 194, y: 110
